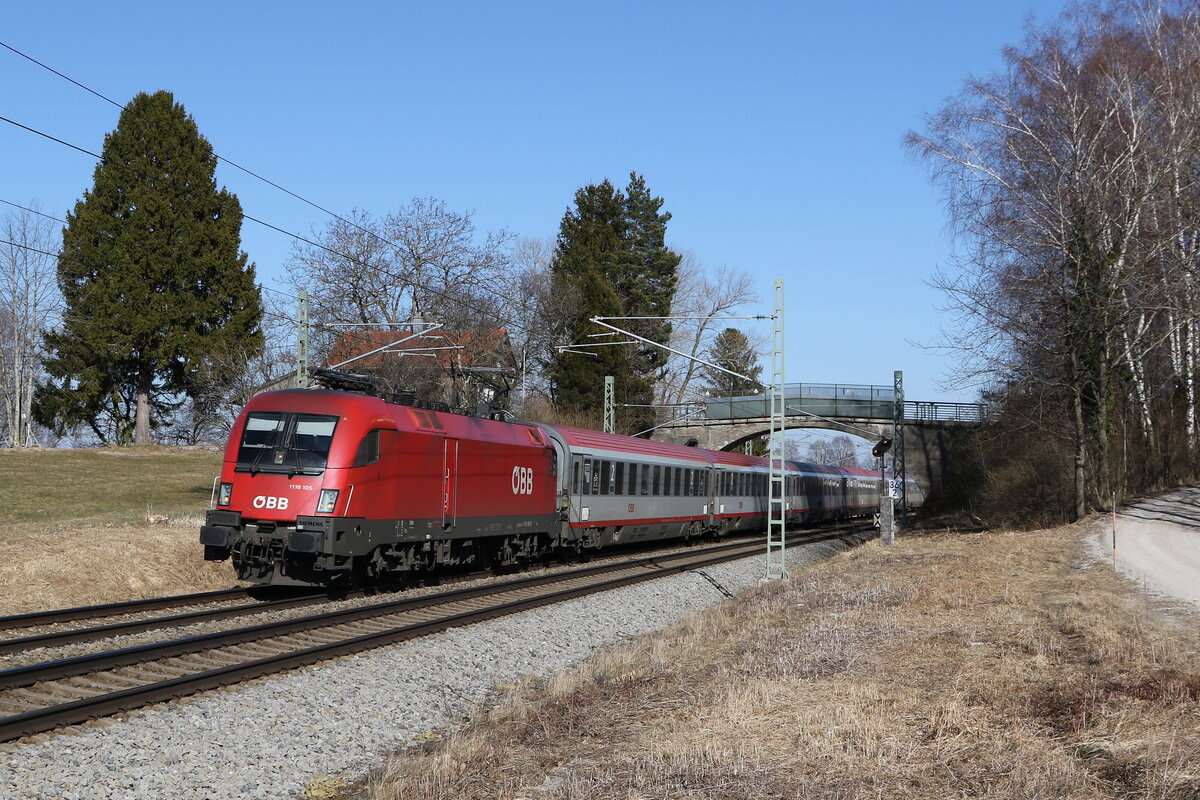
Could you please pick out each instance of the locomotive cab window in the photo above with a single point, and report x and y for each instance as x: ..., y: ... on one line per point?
x: 368, y: 449
x: 285, y: 442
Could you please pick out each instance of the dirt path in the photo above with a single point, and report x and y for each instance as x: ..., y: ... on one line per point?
x: 1158, y: 543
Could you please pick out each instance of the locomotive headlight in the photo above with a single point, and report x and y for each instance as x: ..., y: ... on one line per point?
x: 327, y: 501
x: 226, y: 494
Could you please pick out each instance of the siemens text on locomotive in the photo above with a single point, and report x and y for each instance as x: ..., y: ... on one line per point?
x: 335, y: 488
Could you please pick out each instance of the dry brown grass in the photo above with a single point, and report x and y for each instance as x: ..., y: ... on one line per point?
x: 82, y: 564
x: 76, y: 531
x: 992, y: 665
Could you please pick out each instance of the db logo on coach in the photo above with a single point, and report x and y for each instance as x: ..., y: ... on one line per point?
x: 263, y: 501
x: 522, y: 480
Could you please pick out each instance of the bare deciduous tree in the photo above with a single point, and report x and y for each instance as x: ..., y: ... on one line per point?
x: 1072, y: 177
x: 29, y: 305
x: 706, y: 298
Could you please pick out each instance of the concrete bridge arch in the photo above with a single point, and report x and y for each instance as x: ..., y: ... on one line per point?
x: 924, y: 441
x: 733, y: 435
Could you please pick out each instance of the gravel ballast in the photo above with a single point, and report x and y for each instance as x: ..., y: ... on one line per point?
x: 269, y: 738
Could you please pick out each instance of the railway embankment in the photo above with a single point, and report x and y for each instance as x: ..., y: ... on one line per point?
x: 1005, y: 664
x: 286, y: 735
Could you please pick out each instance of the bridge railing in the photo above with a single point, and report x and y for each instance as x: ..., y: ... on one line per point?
x: 852, y: 401
x: 944, y: 412
x: 834, y: 400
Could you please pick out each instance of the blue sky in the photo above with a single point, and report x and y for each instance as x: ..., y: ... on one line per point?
x: 772, y: 130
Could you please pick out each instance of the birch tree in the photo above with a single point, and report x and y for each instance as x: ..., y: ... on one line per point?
x: 29, y: 306
x: 1049, y: 170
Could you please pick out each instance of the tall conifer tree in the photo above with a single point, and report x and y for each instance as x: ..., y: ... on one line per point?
x: 611, y: 254
x: 731, y: 350
x: 158, y: 293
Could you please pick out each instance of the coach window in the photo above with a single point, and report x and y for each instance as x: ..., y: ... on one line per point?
x: 619, y: 483
x: 704, y: 483
x: 587, y: 476
x: 633, y: 470
x: 602, y: 475
x: 657, y: 480
x: 596, y: 476
x: 645, y: 470
x: 666, y: 484
x: 575, y: 464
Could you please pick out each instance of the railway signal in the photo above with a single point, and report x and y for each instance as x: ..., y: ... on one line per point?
x: 882, y: 447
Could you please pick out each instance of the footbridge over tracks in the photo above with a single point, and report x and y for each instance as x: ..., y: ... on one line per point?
x: 724, y: 423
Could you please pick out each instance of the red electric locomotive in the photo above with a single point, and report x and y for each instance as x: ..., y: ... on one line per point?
x: 334, y: 488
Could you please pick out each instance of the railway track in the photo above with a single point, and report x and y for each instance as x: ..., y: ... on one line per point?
x: 45, y: 696
x: 40, y: 618
x: 208, y: 607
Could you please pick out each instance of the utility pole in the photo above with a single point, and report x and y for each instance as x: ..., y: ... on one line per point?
x: 610, y: 417
x: 776, y: 512
x: 898, y: 467
x: 302, y: 339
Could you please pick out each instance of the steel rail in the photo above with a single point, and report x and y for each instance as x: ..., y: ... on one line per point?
x: 35, y: 618
x: 58, y: 638
x: 53, y: 716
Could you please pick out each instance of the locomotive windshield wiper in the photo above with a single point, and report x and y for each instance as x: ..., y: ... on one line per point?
x: 267, y: 445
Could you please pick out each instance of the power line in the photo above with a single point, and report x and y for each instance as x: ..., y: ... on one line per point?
x: 367, y: 231
x: 59, y: 74
x: 436, y: 292
x: 217, y: 155
x: 33, y: 211
x: 27, y: 247
x: 51, y: 138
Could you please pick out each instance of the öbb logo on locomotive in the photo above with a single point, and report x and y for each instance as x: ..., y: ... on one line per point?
x: 265, y: 501
x: 522, y: 480
x: 337, y: 488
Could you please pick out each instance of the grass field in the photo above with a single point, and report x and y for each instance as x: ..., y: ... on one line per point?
x: 76, y: 533
x: 1004, y: 665
x: 119, y: 485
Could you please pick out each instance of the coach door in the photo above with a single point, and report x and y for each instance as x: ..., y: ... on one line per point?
x: 449, y: 482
